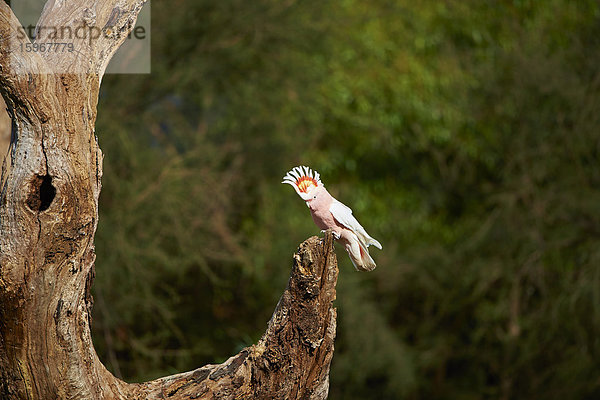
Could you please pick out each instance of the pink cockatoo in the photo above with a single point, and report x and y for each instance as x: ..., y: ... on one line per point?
x: 328, y: 213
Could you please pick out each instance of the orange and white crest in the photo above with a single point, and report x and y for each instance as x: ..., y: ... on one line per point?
x: 303, y: 179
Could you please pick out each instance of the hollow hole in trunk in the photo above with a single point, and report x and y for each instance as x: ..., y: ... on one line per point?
x: 42, y: 193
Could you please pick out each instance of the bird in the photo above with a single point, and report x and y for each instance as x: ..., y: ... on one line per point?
x: 329, y: 213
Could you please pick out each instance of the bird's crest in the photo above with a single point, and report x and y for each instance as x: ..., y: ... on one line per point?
x: 302, y: 179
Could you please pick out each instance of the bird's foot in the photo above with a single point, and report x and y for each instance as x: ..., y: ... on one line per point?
x: 335, y: 234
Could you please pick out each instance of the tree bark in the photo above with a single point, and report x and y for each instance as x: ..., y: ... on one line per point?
x: 4, y: 128
x: 50, y: 185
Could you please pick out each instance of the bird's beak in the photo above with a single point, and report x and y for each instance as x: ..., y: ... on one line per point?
x: 305, y: 197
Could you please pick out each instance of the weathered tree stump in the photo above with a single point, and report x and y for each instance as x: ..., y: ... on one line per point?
x: 291, y: 360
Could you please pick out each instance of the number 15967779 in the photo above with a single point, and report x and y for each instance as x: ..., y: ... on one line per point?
x: 55, y: 47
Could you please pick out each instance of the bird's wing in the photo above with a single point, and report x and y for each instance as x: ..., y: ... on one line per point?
x: 343, y: 214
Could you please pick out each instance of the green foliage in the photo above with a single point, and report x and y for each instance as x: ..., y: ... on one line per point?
x: 464, y: 134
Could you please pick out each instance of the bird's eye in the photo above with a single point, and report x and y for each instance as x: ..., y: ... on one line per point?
x: 315, y: 196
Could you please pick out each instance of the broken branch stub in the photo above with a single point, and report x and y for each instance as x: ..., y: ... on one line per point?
x: 293, y: 358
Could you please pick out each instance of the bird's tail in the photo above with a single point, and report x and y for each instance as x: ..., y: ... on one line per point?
x: 373, y: 242
x: 362, y: 261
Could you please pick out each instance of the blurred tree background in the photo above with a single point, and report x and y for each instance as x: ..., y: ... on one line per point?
x: 465, y: 134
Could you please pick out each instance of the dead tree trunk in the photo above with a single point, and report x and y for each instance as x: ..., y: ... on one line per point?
x: 48, y: 216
